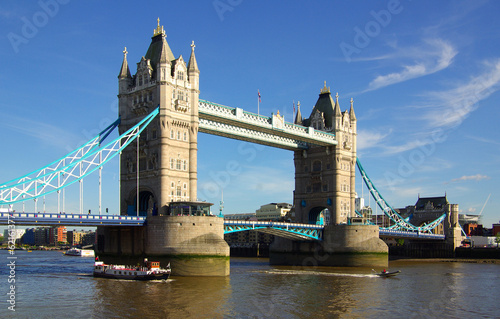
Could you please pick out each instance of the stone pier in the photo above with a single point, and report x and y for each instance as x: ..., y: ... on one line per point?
x: 342, y: 246
x: 194, y: 245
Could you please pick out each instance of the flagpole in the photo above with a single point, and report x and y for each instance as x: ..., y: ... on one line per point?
x: 258, y: 102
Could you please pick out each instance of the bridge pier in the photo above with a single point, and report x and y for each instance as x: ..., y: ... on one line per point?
x: 194, y: 245
x: 342, y: 246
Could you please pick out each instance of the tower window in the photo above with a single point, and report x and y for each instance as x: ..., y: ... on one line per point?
x: 180, y: 75
x: 140, y: 80
x: 317, y: 166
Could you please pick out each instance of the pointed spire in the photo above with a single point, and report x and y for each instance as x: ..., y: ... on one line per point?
x: 337, y: 111
x: 298, y: 118
x: 165, y: 54
x: 351, y: 112
x: 192, y: 65
x: 124, y: 71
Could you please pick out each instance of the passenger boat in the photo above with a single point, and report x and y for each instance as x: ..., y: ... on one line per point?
x: 150, y: 270
x: 80, y: 252
x: 386, y: 273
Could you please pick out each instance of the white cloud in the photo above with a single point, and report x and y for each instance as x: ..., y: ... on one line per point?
x: 450, y: 107
x: 267, y: 179
x: 367, y: 139
x: 434, y: 56
x: 476, y: 177
x: 43, y: 132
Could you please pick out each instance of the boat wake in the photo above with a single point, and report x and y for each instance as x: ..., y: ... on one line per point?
x: 316, y: 273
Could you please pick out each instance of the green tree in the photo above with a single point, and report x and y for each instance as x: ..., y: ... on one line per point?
x: 497, y: 239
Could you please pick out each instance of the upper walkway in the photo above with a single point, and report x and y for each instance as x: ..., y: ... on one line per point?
x: 273, y: 131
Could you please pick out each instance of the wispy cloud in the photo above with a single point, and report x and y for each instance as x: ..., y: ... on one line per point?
x: 265, y: 179
x: 442, y: 110
x: 43, y: 132
x: 476, y: 177
x: 450, y: 107
x: 367, y: 139
x: 435, y: 55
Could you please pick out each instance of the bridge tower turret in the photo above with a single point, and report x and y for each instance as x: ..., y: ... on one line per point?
x: 325, y: 176
x: 167, y: 156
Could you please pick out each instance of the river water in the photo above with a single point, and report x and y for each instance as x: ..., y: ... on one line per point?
x: 50, y: 285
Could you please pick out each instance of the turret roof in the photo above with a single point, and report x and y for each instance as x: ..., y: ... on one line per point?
x: 325, y: 105
x: 192, y: 64
x: 124, y: 71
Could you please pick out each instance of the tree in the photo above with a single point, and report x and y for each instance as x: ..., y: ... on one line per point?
x: 497, y: 239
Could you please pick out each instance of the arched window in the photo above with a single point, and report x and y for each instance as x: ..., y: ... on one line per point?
x: 140, y: 80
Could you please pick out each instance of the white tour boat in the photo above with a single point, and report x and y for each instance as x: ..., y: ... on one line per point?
x: 149, y: 271
x: 80, y: 252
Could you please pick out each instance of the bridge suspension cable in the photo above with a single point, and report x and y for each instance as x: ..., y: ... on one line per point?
x: 72, y: 167
x: 400, y: 222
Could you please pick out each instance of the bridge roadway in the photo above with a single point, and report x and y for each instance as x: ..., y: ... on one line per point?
x: 287, y: 230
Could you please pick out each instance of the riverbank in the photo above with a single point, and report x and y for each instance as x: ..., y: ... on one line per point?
x: 443, y: 260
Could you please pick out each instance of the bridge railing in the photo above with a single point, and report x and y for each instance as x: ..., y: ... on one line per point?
x: 409, y: 234
x: 272, y: 224
x: 71, y: 219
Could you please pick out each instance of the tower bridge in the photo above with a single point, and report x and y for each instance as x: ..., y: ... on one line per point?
x: 160, y: 115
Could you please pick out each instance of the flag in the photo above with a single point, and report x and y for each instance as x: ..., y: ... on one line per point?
x: 293, y: 107
x: 260, y: 101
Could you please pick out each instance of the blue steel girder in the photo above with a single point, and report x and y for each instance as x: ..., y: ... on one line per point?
x: 72, y: 168
x: 400, y: 222
x: 286, y: 230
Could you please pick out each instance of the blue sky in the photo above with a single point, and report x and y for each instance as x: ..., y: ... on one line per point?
x: 424, y: 76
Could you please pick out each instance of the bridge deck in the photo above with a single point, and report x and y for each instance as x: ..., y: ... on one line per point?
x: 46, y: 219
x: 288, y: 230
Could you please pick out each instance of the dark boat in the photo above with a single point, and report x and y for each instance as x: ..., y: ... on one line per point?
x: 385, y: 273
x: 149, y: 271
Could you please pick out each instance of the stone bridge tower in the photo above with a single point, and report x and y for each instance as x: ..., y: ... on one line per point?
x: 168, y: 147
x: 325, y: 186
x: 325, y: 176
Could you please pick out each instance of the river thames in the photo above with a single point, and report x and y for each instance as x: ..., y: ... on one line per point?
x: 50, y: 285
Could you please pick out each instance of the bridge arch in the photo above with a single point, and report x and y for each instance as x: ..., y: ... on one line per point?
x: 319, y: 215
x: 147, y: 202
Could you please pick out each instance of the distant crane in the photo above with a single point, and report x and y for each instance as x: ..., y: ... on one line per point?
x: 479, y: 216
